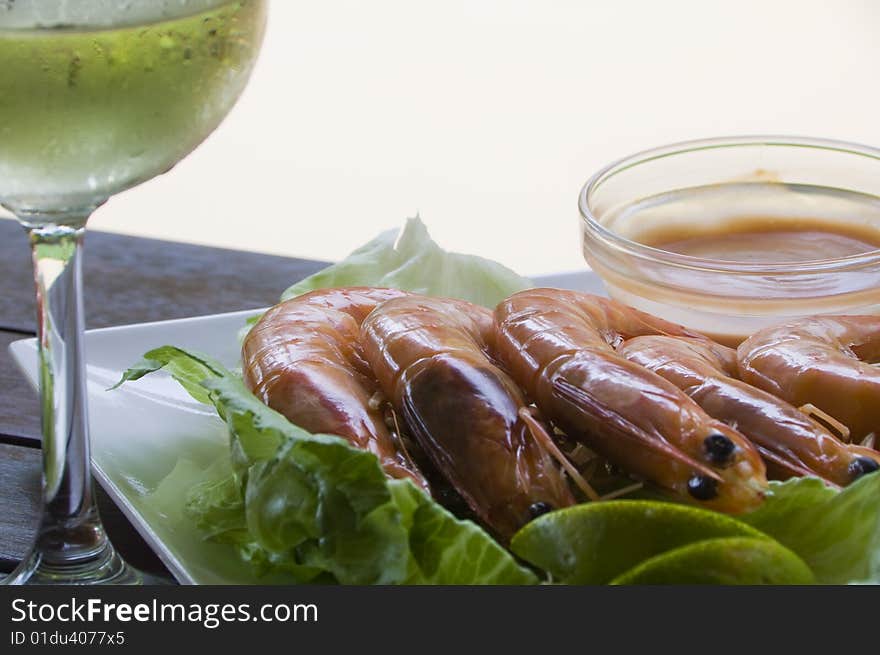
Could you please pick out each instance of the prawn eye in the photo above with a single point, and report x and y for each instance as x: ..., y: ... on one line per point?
x: 539, y: 509
x: 862, y: 465
x: 719, y: 448
x: 702, y: 487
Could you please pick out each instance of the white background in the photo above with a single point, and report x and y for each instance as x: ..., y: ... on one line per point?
x: 486, y: 116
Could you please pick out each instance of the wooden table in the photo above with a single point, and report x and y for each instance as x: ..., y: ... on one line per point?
x: 127, y: 280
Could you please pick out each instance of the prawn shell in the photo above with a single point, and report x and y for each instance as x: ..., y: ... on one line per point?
x: 303, y: 359
x: 429, y: 357
x: 790, y: 443
x: 824, y: 361
x: 558, y: 345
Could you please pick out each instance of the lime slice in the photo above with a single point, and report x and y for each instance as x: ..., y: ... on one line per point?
x: 731, y: 561
x: 595, y: 542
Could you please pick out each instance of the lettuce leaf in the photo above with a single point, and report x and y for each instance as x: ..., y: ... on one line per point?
x: 314, y: 507
x: 837, y: 533
x: 408, y: 259
x: 448, y: 550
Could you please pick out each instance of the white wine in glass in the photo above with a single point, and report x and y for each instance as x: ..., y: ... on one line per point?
x: 97, y: 96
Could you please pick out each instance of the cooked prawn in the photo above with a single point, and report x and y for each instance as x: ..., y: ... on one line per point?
x: 467, y: 415
x: 824, y: 361
x: 304, y: 360
x: 558, y: 346
x: 790, y: 443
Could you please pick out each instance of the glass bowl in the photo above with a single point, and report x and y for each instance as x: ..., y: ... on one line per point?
x: 699, y: 187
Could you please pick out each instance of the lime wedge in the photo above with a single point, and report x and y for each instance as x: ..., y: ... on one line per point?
x: 595, y: 542
x: 731, y: 561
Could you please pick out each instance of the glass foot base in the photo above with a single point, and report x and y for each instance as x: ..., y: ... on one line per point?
x: 106, y: 568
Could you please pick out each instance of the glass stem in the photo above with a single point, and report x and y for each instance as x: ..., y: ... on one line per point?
x: 71, y: 546
x: 70, y: 533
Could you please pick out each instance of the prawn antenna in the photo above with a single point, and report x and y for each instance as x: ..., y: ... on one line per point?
x: 791, y: 467
x: 626, y: 429
x: 540, y: 433
x: 398, y: 437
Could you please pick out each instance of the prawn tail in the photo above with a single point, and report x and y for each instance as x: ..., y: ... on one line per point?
x: 622, y: 428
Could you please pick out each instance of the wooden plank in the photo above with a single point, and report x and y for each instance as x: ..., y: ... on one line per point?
x: 19, y: 408
x: 20, y: 485
x: 133, y: 280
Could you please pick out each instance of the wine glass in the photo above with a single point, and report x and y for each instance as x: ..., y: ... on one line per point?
x: 97, y: 96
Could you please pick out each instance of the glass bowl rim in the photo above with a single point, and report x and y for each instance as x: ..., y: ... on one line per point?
x: 658, y: 255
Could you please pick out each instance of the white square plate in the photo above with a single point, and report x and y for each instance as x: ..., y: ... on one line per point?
x: 143, y: 430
